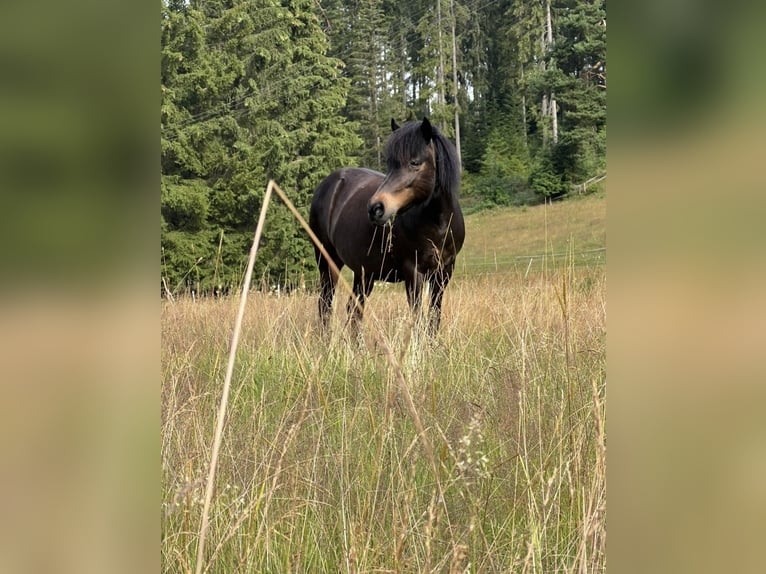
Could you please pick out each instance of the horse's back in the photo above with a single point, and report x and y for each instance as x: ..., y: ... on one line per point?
x: 340, y: 201
x: 343, y: 182
x: 348, y: 176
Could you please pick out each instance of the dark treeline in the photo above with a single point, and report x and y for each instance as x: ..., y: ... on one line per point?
x: 290, y: 90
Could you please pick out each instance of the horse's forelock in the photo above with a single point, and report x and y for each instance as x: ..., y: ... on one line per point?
x: 404, y: 144
x: 408, y: 142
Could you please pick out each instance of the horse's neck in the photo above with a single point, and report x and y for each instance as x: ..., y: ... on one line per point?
x: 447, y: 201
x: 441, y: 210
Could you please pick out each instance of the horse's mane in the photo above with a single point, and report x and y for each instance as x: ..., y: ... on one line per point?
x: 408, y: 142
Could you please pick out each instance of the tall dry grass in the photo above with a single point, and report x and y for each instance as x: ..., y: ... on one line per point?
x: 321, y: 468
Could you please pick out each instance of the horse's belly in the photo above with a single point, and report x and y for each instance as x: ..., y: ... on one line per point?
x: 380, y: 266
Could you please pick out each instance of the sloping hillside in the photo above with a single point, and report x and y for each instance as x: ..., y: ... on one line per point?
x: 525, y: 237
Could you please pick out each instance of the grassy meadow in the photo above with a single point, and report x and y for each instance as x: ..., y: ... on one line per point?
x: 530, y: 239
x: 322, y: 466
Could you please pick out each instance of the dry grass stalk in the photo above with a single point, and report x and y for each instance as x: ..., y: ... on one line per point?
x: 227, y: 382
x: 314, y: 428
x: 380, y: 339
x: 393, y: 362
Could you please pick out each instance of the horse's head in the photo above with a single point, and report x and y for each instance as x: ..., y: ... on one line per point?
x: 411, y: 177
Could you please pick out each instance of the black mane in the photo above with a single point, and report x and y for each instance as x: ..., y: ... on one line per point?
x: 408, y: 143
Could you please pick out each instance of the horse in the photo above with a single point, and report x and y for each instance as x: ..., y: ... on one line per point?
x: 406, y: 225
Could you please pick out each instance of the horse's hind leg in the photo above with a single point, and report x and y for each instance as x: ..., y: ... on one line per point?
x: 362, y: 290
x: 326, y: 293
x: 327, y: 282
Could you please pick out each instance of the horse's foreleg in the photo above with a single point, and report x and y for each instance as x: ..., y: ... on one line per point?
x: 438, y: 284
x: 414, y: 288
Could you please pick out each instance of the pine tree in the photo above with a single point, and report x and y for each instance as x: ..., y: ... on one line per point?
x: 291, y: 89
x: 358, y: 39
x: 248, y: 94
x: 434, y: 65
x: 396, y: 96
x: 580, y: 82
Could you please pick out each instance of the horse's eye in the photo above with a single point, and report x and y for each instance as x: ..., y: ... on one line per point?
x: 415, y: 164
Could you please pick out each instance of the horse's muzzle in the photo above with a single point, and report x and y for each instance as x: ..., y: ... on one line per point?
x: 376, y: 211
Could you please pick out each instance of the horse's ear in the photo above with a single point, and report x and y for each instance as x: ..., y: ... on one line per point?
x: 426, y: 130
x: 394, y: 125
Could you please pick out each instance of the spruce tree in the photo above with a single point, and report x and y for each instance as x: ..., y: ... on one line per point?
x: 580, y: 83
x: 249, y: 94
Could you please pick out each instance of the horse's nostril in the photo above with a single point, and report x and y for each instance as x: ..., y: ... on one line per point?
x: 376, y: 211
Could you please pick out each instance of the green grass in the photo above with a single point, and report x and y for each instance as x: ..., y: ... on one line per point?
x: 532, y: 238
x: 321, y: 467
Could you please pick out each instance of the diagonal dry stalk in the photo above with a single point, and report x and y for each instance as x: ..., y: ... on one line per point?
x: 380, y: 340
x: 377, y: 333
x: 227, y: 382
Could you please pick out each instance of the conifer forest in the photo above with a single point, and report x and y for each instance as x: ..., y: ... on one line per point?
x: 291, y: 90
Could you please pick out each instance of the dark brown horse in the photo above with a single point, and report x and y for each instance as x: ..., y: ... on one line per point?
x: 402, y: 226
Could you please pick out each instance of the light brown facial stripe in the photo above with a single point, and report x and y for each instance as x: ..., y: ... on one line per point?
x: 394, y: 202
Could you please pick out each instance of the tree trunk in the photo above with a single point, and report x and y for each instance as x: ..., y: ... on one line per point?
x: 553, y: 110
x: 372, y: 72
x: 455, y: 104
x: 403, y: 68
x: 523, y: 108
x: 440, y: 71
